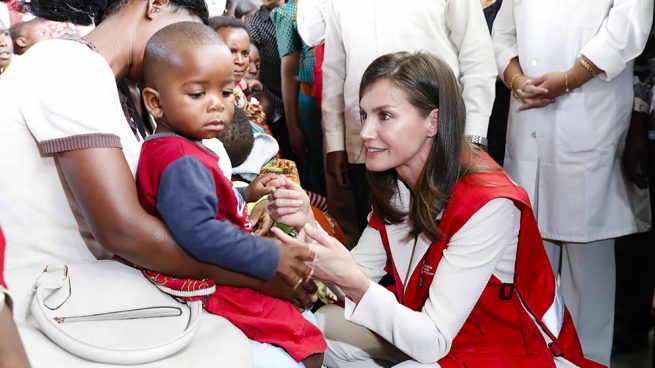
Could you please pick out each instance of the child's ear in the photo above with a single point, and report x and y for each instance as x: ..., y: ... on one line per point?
x: 21, y: 41
x: 151, y: 101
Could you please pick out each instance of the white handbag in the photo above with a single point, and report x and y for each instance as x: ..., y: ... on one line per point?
x: 107, y: 312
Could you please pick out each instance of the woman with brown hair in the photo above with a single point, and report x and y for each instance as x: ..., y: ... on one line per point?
x: 471, y: 281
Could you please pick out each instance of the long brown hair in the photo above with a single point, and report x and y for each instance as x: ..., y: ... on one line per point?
x: 428, y: 83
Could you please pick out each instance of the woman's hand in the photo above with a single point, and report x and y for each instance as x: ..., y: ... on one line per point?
x: 333, y: 262
x: 289, y: 204
x: 531, y: 94
x: 261, y: 186
x: 555, y: 84
x: 302, y: 296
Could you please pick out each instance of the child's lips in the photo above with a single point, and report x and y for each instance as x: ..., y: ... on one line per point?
x: 216, y: 125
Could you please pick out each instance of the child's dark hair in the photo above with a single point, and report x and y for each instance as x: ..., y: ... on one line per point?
x: 160, y: 47
x: 86, y: 12
x: 226, y: 22
x: 238, y: 138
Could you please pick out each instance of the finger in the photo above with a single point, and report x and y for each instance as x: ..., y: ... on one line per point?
x: 303, y: 253
x: 321, y: 237
x: 284, y: 238
x: 310, y: 287
x: 283, y: 194
x: 267, y: 224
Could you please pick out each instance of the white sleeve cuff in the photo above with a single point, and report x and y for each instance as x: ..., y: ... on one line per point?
x: 334, y: 141
x: 604, y: 57
x: 363, y: 313
x: 476, y: 124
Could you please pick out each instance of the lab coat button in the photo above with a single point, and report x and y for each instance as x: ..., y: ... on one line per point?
x: 534, y: 62
x: 534, y: 135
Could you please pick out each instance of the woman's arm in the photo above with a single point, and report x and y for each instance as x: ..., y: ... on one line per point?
x: 12, y: 353
x: 104, y: 188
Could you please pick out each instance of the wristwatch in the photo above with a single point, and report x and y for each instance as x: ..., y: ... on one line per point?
x: 477, y: 139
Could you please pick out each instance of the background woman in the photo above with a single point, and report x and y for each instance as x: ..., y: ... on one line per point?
x: 472, y: 284
x: 68, y: 158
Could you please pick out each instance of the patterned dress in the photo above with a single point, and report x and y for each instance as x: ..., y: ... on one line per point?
x: 308, y: 113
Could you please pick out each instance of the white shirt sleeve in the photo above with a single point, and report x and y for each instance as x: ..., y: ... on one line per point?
x: 462, y: 274
x: 468, y: 32
x: 370, y: 255
x: 503, y: 35
x: 81, y: 109
x: 622, y: 36
x: 311, y: 21
x: 334, y: 76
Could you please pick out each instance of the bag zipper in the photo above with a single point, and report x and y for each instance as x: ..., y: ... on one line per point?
x: 141, y: 313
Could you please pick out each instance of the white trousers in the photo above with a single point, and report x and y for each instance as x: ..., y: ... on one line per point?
x: 353, y: 346
x: 587, y: 279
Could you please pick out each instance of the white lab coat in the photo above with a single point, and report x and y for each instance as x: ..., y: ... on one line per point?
x: 567, y: 155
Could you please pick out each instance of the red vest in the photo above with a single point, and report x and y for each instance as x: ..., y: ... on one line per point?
x: 499, y: 332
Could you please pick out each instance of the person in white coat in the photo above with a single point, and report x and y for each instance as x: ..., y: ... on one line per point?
x: 569, y: 65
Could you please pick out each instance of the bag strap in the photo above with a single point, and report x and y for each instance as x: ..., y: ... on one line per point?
x: 54, y: 278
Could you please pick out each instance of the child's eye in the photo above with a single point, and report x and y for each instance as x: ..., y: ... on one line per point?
x: 228, y: 93
x: 196, y: 95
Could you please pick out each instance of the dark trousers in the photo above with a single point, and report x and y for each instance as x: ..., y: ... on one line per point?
x: 635, y: 282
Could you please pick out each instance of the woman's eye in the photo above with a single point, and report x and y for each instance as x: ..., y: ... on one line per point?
x: 246, y: 54
x: 385, y: 116
x: 362, y: 116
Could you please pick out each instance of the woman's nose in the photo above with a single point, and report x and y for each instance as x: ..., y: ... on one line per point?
x: 368, y: 130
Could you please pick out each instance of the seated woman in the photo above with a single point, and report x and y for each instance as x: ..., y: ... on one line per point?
x: 472, y: 282
x: 71, y: 194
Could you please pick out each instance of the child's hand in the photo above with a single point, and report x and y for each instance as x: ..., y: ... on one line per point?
x: 261, y: 186
x: 295, y: 263
x: 260, y: 220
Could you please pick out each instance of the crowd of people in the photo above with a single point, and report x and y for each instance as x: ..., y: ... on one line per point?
x: 366, y: 183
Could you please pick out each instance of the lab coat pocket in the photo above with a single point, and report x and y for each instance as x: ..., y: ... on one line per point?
x: 583, y: 122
